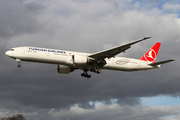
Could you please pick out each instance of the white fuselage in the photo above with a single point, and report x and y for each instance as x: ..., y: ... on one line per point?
x: 62, y: 57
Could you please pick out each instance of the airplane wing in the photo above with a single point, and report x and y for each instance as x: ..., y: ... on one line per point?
x: 114, y: 51
x: 161, y: 62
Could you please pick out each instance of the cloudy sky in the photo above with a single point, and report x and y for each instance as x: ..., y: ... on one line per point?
x: 40, y: 93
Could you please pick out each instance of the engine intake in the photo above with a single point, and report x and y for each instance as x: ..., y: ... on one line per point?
x: 79, y: 59
x: 64, y: 69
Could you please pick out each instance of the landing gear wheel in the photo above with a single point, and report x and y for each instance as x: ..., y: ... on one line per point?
x: 85, y: 75
x: 98, y: 71
x: 82, y: 74
x: 19, y: 65
x: 88, y: 76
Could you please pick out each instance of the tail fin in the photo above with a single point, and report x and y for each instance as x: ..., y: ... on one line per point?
x: 150, y: 56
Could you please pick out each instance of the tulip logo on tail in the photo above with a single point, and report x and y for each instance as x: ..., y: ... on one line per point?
x: 150, y: 56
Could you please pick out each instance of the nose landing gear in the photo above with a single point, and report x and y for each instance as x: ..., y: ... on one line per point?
x: 19, y: 62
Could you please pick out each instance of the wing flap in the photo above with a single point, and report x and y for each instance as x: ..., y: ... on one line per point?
x: 114, y: 51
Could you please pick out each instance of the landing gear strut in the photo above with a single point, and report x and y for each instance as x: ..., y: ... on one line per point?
x: 19, y: 62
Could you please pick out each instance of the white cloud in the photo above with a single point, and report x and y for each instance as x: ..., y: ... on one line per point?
x: 171, y: 7
x: 116, y: 112
x: 96, y: 23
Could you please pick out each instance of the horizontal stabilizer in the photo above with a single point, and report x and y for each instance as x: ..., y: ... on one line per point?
x: 161, y: 62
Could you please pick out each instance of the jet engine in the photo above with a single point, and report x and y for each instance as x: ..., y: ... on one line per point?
x: 64, y: 69
x: 79, y: 59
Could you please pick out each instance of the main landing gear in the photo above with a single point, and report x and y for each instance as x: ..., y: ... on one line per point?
x: 19, y: 62
x: 85, y: 74
x: 95, y: 70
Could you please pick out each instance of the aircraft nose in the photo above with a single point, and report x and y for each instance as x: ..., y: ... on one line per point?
x: 7, y: 53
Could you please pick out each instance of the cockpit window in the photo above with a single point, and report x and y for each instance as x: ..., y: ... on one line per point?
x: 11, y: 49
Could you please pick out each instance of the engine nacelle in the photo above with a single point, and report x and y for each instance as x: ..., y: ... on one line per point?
x: 79, y: 59
x: 64, y: 69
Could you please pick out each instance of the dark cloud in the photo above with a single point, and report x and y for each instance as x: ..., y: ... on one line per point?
x: 48, y: 89
x: 17, y: 18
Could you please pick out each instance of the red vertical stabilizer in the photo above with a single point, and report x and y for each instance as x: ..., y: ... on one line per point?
x: 151, y: 55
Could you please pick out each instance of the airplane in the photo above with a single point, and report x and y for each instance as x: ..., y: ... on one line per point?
x: 68, y: 61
